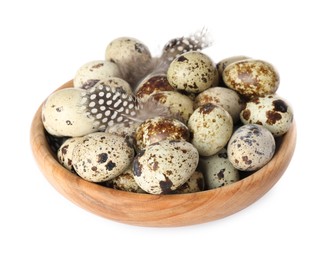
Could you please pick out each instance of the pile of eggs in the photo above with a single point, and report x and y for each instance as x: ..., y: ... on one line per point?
x: 223, y: 120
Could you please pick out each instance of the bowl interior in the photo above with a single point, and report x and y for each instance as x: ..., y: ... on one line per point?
x: 159, y: 210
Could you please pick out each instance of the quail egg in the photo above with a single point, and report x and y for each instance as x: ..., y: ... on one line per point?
x: 192, y: 72
x: 270, y: 111
x: 100, y: 156
x: 218, y: 170
x: 93, y: 71
x: 251, y: 78
x: 115, y: 82
x: 132, y: 56
x: 63, y: 114
x: 251, y: 147
x: 65, y: 153
x: 225, y: 97
x: 160, y: 128
x: 195, y: 183
x: 164, y: 166
x: 125, y: 181
x: 221, y: 65
x: 151, y: 85
x: 211, y: 127
x: 180, y: 106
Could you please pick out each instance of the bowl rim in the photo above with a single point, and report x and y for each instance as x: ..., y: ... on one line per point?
x: 166, y: 210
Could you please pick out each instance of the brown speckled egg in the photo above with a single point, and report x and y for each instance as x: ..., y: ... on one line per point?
x: 63, y: 115
x: 211, y: 127
x: 225, y: 97
x: 195, y: 183
x: 270, y: 111
x: 218, y: 170
x: 160, y: 128
x: 164, y: 166
x: 95, y: 70
x: 125, y: 181
x: 65, y: 153
x: 179, y: 104
x: 100, y: 156
x: 250, y: 147
x: 151, y: 85
x: 251, y: 78
x: 192, y: 72
x: 221, y: 65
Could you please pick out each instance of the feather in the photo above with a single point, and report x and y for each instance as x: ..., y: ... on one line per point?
x: 135, y: 70
x: 109, y: 106
x: 112, y: 105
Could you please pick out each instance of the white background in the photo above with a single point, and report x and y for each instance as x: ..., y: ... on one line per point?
x: 43, y: 44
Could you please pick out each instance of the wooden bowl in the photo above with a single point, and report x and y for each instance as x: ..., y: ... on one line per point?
x: 159, y: 210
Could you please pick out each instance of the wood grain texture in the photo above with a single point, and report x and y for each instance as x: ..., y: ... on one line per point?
x: 159, y: 210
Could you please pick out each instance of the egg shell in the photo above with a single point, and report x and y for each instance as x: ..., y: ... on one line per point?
x: 63, y: 115
x: 192, y: 72
x: 152, y: 84
x: 251, y: 78
x: 250, y: 147
x: 180, y: 106
x: 160, y: 128
x: 115, y: 82
x: 271, y: 111
x: 218, y: 170
x: 126, y: 130
x: 125, y: 181
x: 221, y: 65
x: 211, y: 127
x: 164, y: 166
x: 224, y: 97
x: 195, y: 183
x: 132, y: 56
x: 100, y: 156
x: 65, y: 153
x: 123, y: 50
x: 95, y: 70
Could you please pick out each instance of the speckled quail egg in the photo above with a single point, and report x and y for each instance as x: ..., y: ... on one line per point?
x: 100, y: 156
x: 125, y: 181
x: 221, y: 65
x: 179, y: 104
x: 225, y: 97
x: 164, y: 166
x: 211, y: 127
x: 270, y: 111
x: 115, y: 82
x: 250, y: 147
x: 63, y: 115
x: 151, y: 85
x: 131, y: 55
x: 195, y: 183
x: 251, y: 77
x: 125, y: 129
x: 160, y: 128
x: 192, y: 72
x: 218, y: 170
x: 65, y: 153
x: 92, y: 71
